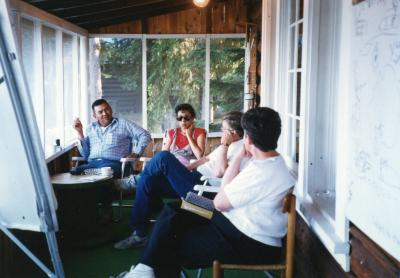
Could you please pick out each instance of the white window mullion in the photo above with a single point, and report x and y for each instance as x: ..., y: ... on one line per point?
x: 207, y: 86
x: 144, y: 80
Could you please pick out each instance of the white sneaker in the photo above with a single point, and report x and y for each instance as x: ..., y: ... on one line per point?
x: 127, y: 184
x: 132, y: 241
x: 140, y: 271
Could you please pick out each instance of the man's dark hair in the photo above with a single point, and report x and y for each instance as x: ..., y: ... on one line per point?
x: 263, y: 126
x: 185, y: 107
x: 98, y: 102
x: 233, y: 119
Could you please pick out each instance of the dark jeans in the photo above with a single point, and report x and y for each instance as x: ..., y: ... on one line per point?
x: 164, y: 176
x: 99, y: 163
x: 181, y: 238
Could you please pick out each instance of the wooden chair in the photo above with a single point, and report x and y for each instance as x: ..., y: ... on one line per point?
x: 286, y: 267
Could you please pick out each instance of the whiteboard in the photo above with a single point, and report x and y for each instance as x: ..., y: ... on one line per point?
x: 373, y: 171
x: 26, y: 196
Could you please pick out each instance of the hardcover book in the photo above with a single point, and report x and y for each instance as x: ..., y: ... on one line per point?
x: 198, y: 204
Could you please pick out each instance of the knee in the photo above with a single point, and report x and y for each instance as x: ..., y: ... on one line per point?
x: 162, y: 156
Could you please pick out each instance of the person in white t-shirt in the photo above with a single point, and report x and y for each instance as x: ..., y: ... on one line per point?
x: 165, y: 176
x: 248, y: 224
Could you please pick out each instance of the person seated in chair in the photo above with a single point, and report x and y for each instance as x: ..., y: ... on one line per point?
x: 108, y: 139
x: 165, y: 176
x: 187, y: 141
x: 248, y: 224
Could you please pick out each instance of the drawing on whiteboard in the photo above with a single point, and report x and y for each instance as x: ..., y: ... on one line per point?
x: 389, y: 175
x: 395, y: 50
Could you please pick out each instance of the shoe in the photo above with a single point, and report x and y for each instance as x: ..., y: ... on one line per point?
x: 141, y: 271
x: 127, y: 184
x: 132, y: 241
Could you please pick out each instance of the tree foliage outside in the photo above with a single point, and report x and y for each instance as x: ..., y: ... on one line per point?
x: 176, y: 74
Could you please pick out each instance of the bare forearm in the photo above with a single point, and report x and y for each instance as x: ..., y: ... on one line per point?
x: 221, y: 161
x: 232, y: 170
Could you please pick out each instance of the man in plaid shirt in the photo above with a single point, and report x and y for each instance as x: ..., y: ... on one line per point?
x: 109, y: 139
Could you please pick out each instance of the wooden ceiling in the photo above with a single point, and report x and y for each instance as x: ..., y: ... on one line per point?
x: 90, y: 14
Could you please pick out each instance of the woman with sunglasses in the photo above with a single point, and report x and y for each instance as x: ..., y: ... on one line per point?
x: 187, y: 141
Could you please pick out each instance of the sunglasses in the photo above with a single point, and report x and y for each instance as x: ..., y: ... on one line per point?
x: 186, y: 118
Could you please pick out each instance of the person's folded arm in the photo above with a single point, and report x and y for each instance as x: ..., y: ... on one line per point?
x: 221, y: 201
x: 197, y: 163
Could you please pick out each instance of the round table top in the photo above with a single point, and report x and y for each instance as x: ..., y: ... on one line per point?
x: 67, y: 178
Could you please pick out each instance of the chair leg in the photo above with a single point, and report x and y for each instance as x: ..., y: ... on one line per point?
x: 217, y: 271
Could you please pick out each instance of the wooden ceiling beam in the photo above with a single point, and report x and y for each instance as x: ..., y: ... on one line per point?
x: 103, y: 8
x: 58, y: 6
x: 116, y: 19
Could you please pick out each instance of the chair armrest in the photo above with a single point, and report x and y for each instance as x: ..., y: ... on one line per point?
x: 213, y: 181
x: 78, y: 158
x: 128, y: 159
x: 206, y: 188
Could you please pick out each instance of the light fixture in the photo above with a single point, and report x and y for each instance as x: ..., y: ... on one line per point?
x: 201, y: 3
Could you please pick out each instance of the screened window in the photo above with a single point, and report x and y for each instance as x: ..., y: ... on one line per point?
x: 69, y: 90
x: 205, y: 71
x: 51, y: 95
x: 175, y: 74
x: 121, y: 76
x: 50, y: 59
x: 227, y: 60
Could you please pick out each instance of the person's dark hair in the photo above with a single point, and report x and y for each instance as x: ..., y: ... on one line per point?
x: 263, y: 126
x: 98, y: 102
x: 185, y: 107
x: 233, y: 119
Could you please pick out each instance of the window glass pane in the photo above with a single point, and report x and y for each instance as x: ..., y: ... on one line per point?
x: 298, y: 93
x: 291, y: 93
x: 175, y: 74
x: 301, y: 9
x: 297, y: 141
x: 292, y: 49
x: 292, y: 10
x: 27, y: 33
x: 299, y: 44
x: 227, y: 57
x: 121, y: 76
x: 68, y: 87
x: 50, y: 87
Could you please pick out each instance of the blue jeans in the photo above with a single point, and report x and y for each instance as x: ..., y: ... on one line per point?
x: 99, y: 163
x: 164, y: 176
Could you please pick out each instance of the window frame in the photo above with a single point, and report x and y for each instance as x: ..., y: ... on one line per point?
x: 207, y: 38
x: 332, y: 231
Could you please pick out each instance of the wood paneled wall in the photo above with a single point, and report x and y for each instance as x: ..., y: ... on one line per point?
x: 220, y: 17
x: 367, y: 259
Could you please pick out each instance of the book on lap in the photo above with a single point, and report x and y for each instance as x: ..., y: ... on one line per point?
x: 198, y: 204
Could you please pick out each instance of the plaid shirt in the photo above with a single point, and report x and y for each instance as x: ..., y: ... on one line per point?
x: 119, y: 139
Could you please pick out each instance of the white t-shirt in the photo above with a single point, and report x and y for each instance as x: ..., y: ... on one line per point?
x: 256, y: 195
x: 206, y: 169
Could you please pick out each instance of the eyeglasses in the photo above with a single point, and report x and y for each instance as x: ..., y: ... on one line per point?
x: 227, y: 130
x: 186, y: 118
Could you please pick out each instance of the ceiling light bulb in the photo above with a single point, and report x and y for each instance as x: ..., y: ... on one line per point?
x: 201, y: 3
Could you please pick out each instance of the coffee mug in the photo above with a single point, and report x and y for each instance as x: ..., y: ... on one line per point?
x: 106, y: 171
